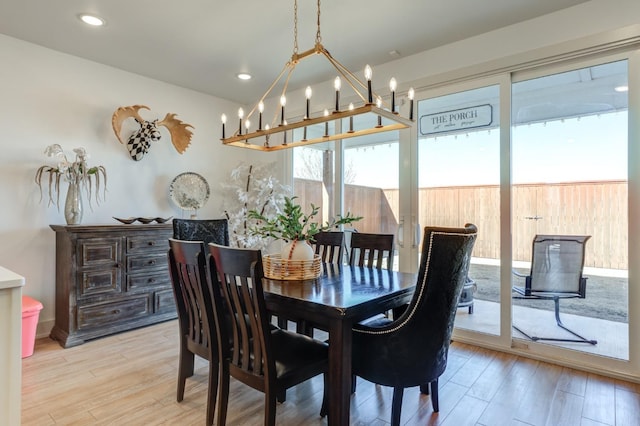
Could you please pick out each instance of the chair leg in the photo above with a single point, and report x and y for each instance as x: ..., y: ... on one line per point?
x: 269, y: 409
x: 396, y: 406
x: 353, y: 383
x: 434, y: 395
x: 223, y: 397
x: 579, y: 339
x: 212, y: 393
x: 324, y: 409
x: 424, y: 388
x: 185, y: 369
x: 557, y: 311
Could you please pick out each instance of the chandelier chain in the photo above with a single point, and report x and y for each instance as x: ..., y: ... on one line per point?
x: 318, y: 36
x: 295, y: 27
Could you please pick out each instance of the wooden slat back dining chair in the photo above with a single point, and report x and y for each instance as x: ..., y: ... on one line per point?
x: 420, y: 337
x: 371, y: 250
x: 268, y: 359
x: 330, y: 246
x: 194, y: 304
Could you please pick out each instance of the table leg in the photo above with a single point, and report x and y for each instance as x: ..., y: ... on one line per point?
x: 339, y: 372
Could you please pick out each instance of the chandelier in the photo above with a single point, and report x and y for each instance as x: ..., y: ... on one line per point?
x: 371, y: 115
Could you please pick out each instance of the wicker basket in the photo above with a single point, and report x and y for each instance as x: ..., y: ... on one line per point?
x: 277, y: 268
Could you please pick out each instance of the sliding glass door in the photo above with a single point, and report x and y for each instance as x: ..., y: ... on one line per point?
x: 459, y: 183
x: 569, y: 178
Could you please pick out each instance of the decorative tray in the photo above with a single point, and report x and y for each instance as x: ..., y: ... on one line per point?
x: 145, y: 220
x: 277, y: 268
x: 189, y: 191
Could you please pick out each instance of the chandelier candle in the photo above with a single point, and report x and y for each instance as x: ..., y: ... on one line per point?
x: 393, y: 85
x: 240, y: 115
x: 351, y: 118
x: 224, y: 121
x: 410, y: 95
x: 379, y: 105
x: 368, y: 73
x: 260, y: 110
x: 336, y: 84
x: 307, y: 94
x: 283, y: 102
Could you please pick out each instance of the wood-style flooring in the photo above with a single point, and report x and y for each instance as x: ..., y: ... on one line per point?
x: 130, y: 379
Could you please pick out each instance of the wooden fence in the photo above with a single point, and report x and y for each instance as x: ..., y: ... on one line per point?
x: 598, y: 209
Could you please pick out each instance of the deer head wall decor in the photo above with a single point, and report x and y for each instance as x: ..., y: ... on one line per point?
x: 139, y: 142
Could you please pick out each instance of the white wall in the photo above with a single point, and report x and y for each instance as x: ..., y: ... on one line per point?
x: 49, y: 97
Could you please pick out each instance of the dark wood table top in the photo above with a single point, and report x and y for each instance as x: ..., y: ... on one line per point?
x: 343, y: 292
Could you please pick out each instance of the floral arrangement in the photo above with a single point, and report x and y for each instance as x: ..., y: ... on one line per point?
x: 78, y: 172
x: 293, y: 224
x: 251, y: 187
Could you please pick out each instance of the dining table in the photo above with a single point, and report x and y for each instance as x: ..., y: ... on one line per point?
x: 340, y: 297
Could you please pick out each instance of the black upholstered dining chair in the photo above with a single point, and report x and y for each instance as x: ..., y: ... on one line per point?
x: 194, y: 304
x: 412, y: 349
x: 268, y: 359
x: 206, y: 230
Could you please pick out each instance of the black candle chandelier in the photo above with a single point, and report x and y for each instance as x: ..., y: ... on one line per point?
x: 314, y: 128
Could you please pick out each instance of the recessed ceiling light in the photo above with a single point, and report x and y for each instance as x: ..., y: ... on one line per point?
x: 244, y: 76
x: 621, y: 89
x: 91, y: 20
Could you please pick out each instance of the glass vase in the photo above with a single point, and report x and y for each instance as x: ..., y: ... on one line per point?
x: 73, y: 203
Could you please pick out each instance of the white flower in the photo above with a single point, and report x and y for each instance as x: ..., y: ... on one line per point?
x: 54, y: 150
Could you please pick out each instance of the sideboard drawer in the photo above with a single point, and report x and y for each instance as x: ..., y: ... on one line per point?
x: 96, y: 282
x: 106, y: 314
x: 141, y: 281
x: 137, y: 264
x: 99, y: 252
x: 146, y: 243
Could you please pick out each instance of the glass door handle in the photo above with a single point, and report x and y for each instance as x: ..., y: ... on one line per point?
x: 416, y: 233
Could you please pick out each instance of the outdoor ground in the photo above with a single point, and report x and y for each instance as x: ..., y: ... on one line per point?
x: 606, y: 297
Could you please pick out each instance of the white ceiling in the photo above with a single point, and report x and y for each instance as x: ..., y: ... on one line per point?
x: 202, y: 45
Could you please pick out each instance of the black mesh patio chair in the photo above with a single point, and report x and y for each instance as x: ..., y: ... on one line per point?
x: 556, y: 273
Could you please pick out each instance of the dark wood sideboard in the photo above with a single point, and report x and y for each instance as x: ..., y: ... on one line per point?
x: 110, y: 278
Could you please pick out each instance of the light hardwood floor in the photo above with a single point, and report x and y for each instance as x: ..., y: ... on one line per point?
x: 130, y: 379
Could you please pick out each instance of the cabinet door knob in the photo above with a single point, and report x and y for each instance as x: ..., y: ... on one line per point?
x: 152, y: 280
x: 152, y: 243
x: 152, y: 262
